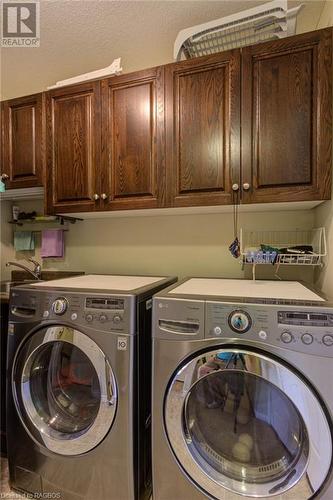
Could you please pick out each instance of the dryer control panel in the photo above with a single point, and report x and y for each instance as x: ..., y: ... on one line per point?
x: 302, y: 329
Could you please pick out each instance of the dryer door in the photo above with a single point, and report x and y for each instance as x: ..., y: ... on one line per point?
x: 242, y: 421
x: 64, y: 389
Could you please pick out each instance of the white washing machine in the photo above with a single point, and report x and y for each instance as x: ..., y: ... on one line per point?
x: 242, y: 391
x: 78, y: 387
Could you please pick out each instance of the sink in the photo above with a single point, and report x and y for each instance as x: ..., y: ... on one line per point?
x: 5, y: 286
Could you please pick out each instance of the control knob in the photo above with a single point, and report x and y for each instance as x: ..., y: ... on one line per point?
x: 240, y: 321
x: 217, y: 330
x: 59, y: 306
x: 116, y: 318
x: 89, y: 318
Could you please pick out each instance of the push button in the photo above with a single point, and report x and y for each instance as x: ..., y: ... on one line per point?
x: 262, y: 334
x: 286, y: 337
x: 328, y: 340
x: 307, y: 338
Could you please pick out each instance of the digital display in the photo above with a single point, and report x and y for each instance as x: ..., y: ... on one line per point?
x: 318, y: 317
x: 305, y: 318
x: 104, y: 303
x: 297, y: 316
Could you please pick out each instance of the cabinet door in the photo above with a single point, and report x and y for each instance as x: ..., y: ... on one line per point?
x: 133, y: 141
x: 203, y: 129
x: 286, y: 119
x: 24, y: 141
x: 73, y: 148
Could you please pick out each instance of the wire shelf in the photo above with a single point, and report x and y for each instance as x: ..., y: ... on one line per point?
x: 252, y: 241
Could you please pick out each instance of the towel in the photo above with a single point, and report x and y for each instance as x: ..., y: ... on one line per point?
x: 24, y: 240
x: 52, y: 243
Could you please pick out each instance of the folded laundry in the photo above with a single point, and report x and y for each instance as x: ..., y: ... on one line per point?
x: 52, y: 243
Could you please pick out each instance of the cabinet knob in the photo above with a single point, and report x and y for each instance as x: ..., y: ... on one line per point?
x: 96, y: 196
x: 104, y: 196
x: 246, y: 186
x: 235, y: 187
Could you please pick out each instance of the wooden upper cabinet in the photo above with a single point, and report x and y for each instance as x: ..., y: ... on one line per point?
x: 286, y: 119
x: 203, y: 129
x: 73, y: 148
x: 23, y: 152
x: 133, y: 174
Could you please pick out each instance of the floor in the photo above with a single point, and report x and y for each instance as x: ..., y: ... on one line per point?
x: 5, y: 491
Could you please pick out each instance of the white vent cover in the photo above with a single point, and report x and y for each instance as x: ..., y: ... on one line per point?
x: 267, y: 22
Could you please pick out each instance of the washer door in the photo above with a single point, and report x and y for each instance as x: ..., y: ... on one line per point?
x: 64, y: 389
x: 240, y: 420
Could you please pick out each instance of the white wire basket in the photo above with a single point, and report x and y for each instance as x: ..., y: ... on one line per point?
x: 251, y: 241
x: 269, y: 21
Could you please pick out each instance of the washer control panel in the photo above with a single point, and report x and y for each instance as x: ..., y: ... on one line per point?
x: 308, y: 330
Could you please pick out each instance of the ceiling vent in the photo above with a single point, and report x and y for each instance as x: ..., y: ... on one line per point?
x: 269, y: 21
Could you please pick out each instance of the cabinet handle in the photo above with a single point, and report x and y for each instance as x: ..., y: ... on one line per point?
x: 235, y: 187
x: 96, y: 197
x: 104, y: 196
x: 246, y: 186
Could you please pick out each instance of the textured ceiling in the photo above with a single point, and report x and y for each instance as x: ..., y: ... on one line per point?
x: 78, y: 36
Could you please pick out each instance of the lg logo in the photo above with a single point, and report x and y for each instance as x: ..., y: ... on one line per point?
x: 20, y: 24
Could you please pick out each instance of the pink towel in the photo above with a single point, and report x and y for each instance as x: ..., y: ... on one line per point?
x: 52, y: 243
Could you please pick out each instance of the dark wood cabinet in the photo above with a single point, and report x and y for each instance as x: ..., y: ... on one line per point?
x: 133, y: 173
x: 23, y: 141
x: 286, y: 119
x: 184, y: 134
x: 73, y: 148
x: 203, y: 129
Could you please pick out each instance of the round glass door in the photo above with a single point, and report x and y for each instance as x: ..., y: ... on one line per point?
x: 64, y: 387
x: 233, y: 420
x: 245, y: 427
x: 65, y: 390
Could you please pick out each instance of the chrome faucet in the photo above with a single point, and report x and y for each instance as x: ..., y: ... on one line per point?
x: 36, y: 272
